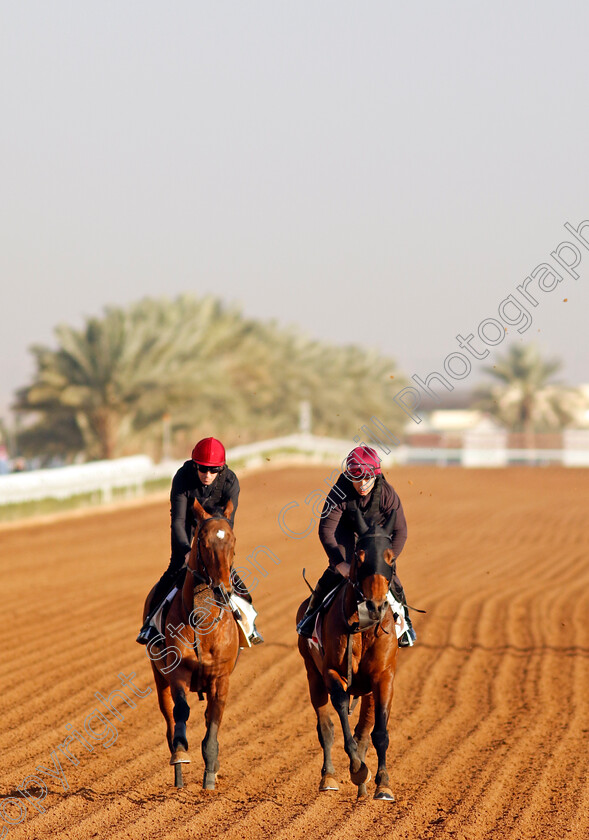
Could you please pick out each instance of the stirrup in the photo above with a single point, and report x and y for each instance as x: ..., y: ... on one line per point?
x: 256, y: 637
x: 306, y: 625
x: 147, y: 635
x: 408, y: 638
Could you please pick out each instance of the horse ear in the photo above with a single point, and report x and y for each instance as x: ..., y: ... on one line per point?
x: 361, y: 524
x: 390, y: 523
x: 389, y: 557
x: 201, y: 513
x: 228, y: 509
x: 357, y: 561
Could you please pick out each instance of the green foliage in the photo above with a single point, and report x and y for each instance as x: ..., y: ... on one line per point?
x: 106, y: 387
x: 524, y: 400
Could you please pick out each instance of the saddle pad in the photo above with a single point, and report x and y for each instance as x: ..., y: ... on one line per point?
x: 247, y: 620
x: 160, y: 612
x: 315, y: 639
x: 399, y: 614
x: 315, y: 642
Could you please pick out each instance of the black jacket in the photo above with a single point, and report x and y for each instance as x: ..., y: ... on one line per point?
x: 337, y: 528
x: 186, y: 487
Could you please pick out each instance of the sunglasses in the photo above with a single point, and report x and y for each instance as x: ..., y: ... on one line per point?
x: 361, y: 475
x: 201, y: 468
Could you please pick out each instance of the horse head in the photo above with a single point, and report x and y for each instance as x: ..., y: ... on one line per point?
x: 213, y: 547
x: 373, y: 565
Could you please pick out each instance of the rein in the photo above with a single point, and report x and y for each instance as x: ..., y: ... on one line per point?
x: 364, y: 623
x: 378, y: 567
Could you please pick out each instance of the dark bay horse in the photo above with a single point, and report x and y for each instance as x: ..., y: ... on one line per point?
x: 359, y: 658
x: 201, y: 643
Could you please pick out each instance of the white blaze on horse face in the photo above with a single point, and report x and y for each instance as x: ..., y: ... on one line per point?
x: 220, y: 534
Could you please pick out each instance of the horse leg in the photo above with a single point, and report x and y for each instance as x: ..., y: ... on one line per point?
x: 383, y: 698
x: 216, y: 699
x: 164, y: 697
x: 359, y: 772
x: 177, y: 740
x: 362, y: 733
x: 181, y: 714
x: 325, y: 728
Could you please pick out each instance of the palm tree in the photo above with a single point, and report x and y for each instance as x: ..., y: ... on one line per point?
x: 106, y: 387
x: 118, y: 375
x: 346, y: 385
x: 525, y: 400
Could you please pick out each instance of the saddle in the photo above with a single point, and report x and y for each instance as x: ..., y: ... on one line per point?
x: 158, y: 619
x: 243, y: 612
x: 363, y: 621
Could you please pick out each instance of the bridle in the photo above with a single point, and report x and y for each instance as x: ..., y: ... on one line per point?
x: 200, y: 565
x: 218, y: 590
x: 376, y: 566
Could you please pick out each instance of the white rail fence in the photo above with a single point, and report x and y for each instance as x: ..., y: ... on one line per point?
x: 130, y: 475
x: 102, y: 477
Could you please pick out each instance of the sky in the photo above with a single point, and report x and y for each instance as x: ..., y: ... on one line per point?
x: 378, y: 173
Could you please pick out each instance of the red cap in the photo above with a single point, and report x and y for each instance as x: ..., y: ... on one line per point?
x: 209, y: 452
x: 362, y: 462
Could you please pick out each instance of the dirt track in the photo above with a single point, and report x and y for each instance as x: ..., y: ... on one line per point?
x: 490, y: 729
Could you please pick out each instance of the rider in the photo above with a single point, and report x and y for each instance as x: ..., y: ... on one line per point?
x: 361, y: 486
x: 207, y: 478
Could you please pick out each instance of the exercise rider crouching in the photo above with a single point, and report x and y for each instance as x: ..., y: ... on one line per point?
x: 206, y: 478
x: 362, y: 486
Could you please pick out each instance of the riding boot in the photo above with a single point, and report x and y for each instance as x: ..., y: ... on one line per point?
x: 409, y: 637
x: 328, y: 580
x: 147, y: 634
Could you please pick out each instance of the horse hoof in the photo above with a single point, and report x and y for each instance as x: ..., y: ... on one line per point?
x: 360, y: 776
x: 384, y: 794
x: 180, y: 756
x: 208, y: 781
x: 362, y: 791
x: 328, y: 783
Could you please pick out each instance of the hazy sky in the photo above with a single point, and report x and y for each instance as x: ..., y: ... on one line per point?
x: 375, y: 172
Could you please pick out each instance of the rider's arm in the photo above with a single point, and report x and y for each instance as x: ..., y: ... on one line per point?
x: 391, y: 502
x: 400, y: 531
x: 330, y: 517
x: 178, y: 510
x: 231, y: 493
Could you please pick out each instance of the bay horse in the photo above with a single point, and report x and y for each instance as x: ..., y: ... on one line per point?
x: 201, y: 643
x: 358, y: 658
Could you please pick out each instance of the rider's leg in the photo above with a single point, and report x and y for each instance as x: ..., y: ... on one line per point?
x: 409, y: 637
x: 328, y: 581
x: 240, y: 589
x: 168, y: 580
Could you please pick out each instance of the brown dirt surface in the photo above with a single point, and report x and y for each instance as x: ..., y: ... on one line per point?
x: 489, y: 734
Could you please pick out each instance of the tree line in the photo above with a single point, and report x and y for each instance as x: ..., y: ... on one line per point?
x: 106, y: 387
x: 199, y: 367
